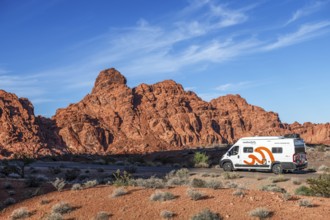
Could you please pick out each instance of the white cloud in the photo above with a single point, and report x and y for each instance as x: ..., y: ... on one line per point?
x: 236, y: 86
x: 305, y: 11
x: 305, y: 32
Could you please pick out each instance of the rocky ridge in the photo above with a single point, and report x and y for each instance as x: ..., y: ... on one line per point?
x: 114, y: 118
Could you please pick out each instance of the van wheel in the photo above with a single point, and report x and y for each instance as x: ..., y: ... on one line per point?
x: 228, y: 167
x: 277, y: 169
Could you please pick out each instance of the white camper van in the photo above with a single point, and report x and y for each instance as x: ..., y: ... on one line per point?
x: 278, y: 154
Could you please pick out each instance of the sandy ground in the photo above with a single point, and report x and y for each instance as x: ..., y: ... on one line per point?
x: 137, y: 205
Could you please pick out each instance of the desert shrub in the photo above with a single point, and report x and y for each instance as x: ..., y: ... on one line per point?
x: 200, y: 158
x: 205, y: 175
x: 119, y: 192
x: 286, y: 196
x: 90, y: 184
x: 206, y: 214
x: 102, y: 216
x: 62, y: 208
x: 324, y: 168
x: 194, y: 194
x: 320, y: 185
x: 260, y: 213
x: 20, y: 213
x: 238, y: 192
x: 55, y: 216
x: 9, y: 201
x: 296, y: 181
x: 72, y: 174
x: 230, y: 175
x: 214, y: 184
x: 305, y: 203
x: 232, y: 185
x: 273, y: 188
x: 202, y: 165
x: 165, y: 214
x: 122, y: 178
x: 320, y: 148
x: 161, y: 196
x: 76, y: 186
x: 58, y: 184
x: 152, y: 182
x: 198, y: 183
x: 182, y: 173
x: 179, y: 177
x: 279, y: 178
x: 303, y: 191
x: 213, y: 175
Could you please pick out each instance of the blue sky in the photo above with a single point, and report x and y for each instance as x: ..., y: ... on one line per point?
x: 276, y: 54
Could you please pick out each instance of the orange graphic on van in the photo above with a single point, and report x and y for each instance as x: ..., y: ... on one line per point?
x: 263, y: 160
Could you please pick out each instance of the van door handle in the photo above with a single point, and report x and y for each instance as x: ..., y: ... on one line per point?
x: 237, y: 156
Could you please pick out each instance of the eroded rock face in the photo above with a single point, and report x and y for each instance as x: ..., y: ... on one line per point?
x: 117, y: 119
x: 20, y: 131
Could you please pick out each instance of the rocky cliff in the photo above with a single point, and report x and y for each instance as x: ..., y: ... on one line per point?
x: 114, y: 118
x: 23, y: 133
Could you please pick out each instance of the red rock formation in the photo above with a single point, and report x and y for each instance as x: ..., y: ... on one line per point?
x: 312, y: 133
x: 117, y: 119
x: 20, y: 131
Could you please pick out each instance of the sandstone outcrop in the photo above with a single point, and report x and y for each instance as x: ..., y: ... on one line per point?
x: 117, y: 119
x: 114, y: 119
x: 20, y: 130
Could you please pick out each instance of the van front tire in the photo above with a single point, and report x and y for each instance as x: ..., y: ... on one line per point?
x: 277, y: 168
x: 228, y: 167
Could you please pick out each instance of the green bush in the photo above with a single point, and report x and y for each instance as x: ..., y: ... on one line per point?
x: 200, y: 158
x: 122, y: 178
x: 321, y: 185
x: 303, y: 191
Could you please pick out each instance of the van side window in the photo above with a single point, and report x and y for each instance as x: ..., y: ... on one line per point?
x: 248, y: 149
x: 234, y: 150
x: 277, y: 150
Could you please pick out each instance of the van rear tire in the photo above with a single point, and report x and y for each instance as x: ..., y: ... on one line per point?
x: 228, y: 167
x: 277, y: 168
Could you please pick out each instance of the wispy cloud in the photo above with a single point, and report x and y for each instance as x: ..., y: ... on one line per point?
x: 305, y: 32
x: 307, y: 10
x: 199, y: 35
x: 237, y: 86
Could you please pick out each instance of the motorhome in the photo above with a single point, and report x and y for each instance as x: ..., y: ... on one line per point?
x: 274, y: 153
